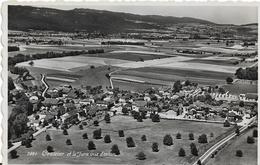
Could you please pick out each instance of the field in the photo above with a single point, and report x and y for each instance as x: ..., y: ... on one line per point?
x: 131, y: 56
x: 169, y: 75
x: 153, y: 131
x: 227, y: 155
x: 240, y: 88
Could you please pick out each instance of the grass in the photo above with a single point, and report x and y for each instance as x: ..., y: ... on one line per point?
x: 227, y: 155
x: 153, y: 131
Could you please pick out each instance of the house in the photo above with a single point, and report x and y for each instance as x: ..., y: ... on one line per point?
x: 52, y: 102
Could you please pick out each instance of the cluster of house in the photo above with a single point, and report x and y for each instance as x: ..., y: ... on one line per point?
x: 67, y: 105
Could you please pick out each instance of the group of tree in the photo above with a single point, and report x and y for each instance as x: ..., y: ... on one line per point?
x: 247, y: 73
x: 13, y: 48
x: 17, y: 122
x: 139, y: 116
x: 122, y: 43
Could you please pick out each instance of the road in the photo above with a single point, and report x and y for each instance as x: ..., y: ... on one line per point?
x: 43, y: 80
x: 210, y: 151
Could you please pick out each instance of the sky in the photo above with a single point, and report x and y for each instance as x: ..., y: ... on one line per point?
x: 218, y: 14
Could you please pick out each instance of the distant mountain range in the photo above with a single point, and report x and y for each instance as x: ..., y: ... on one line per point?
x: 27, y: 17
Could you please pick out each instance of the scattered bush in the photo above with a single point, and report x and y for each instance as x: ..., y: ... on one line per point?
x: 115, y: 150
x: 178, y: 136
x: 96, y: 123
x: 107, y: 118
x: 143, y: 138
x: 107, y: 139
x: 250, y: 140
x: 226, y: 123
x: 13, y: 154
x: 203, y: 138
x: 167, y: 140
x: 182, y: 152
x: 65, y: 132
x: 239, y: 153
x: 48, y: 138
x: 130, y: 142
x: 81, y: 127
x: 91, y: 145
x: 50, y: 149
x: 141, y: 156
x: 193, y: 149
x: 85, y: 136
x: 155, y: 147
x: 97, y: 134
x: 191, y: 136
x: 121, y: 133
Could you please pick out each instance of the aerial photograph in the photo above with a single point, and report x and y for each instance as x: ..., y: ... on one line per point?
x: 135, y: 85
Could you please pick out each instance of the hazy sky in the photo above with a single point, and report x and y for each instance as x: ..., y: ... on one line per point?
x: 218, y: 14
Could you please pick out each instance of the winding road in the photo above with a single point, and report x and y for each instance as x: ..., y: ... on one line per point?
x: 43, y: 80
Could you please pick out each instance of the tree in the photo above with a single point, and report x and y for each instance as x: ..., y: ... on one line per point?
x: 96, y: 123
x: 91, y: 145
x: 130, y: 142
x: 115, y: 150
x: 48, y: 138
x: 167, y: 140
x: 237, y: 131
x: 125, y: 111
x: 141, y: 156
x: 107, y: 139
x: 229, y: 80
x: 81, y: 127
x: 139, y: 118
x: 10, y: 83
x: 193, y: 149
x: 13, y: 154
x: 121, y: 133
x: 250, y: 140
x: 156, y: 118
x: 50, y: 149
x: 191, y: 136
x: 143, y: 138
x: 65, y: 132
x: 255, y: 133
x: 182, y: 152
x: 203, y: 138
x: 177, y: 86
x: 221, y: 90
x: 31, y: 63
x: 199, y: 162
x: 178, y: 136
x: 241, y: 104
x: 68, y: 142
x: 97, y: 134
x: 226, y: 123
x: 239, y: 153
x: 85, y: 136
x: 107, y: 118
x: 155, y: 147
x: 211, y: 134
